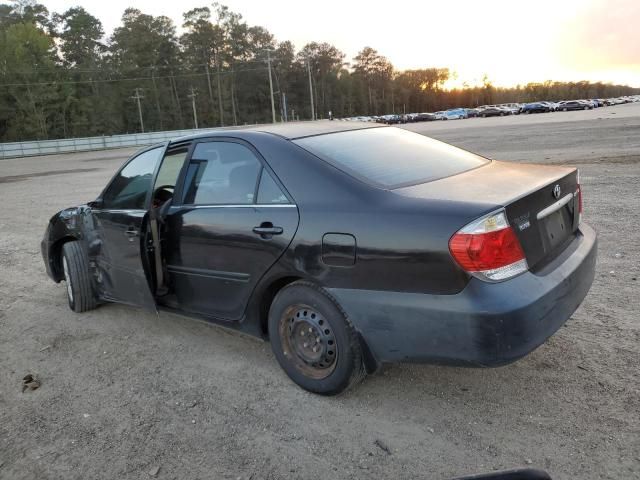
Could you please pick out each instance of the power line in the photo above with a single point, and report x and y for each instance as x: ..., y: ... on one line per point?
x: 117, y: 69
x: 129, y: 79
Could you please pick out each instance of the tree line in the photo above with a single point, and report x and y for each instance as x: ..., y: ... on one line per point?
x: 60, y: 77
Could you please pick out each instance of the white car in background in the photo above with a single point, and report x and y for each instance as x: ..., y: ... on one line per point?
x: 514, y: 108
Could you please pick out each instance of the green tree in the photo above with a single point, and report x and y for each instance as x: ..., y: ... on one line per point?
x: 376, y: 73
x: 287, y: 76
x: 146, y: 47
x: 27, y: 57
x: 202, y: 44
x: 58, y: 80
x: 326, y: 62
x: 235, y: 33
x: 80, y: 48
x: 488, y: 90
x: 80, y: 35
x: 30, y: 11
x: 418, y: 88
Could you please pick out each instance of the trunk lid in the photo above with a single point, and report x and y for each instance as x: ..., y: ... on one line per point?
x: 540, y: 201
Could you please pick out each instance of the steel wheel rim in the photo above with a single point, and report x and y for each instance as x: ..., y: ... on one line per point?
x: 67, y: 278
x: 308, y: 341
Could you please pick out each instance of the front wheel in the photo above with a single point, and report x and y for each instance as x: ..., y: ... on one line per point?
x: 76, y: 275
x: 313, y: 340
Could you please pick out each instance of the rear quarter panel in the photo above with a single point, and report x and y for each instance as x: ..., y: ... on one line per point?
x: 401, y: 242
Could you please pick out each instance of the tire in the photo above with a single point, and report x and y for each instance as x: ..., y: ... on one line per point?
x: 303, y: 315
x: 483, y: 115
x: 586, y: 108
x: 565, y: 109
x: 75, y: 266
x: 502, y: 114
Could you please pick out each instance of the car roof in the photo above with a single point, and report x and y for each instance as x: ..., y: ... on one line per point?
x: 290, y: 130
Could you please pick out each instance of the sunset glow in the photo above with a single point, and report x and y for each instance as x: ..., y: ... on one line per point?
x: 511, y: 42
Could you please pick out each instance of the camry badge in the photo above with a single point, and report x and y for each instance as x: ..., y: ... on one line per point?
x: 557, y: 191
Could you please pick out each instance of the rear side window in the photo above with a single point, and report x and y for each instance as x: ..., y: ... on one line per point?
x: 221, y: 173
x: 269, y: 192
x: 390, y: 157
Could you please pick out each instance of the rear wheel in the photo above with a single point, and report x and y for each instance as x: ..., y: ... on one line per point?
x: 565, y: 109
x: 313, y: 340
x: 586, y: 108
x: 76, y: 275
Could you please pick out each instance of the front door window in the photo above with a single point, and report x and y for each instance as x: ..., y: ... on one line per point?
x: 129, y: 189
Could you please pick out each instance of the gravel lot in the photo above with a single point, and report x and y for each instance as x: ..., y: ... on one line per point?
x: 127, y: 394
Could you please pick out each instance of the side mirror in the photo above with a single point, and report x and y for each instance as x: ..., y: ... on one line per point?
x: 97, y: 204
x: 518, y: 474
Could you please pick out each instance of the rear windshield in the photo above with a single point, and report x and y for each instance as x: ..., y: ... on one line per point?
x: 390, y: 157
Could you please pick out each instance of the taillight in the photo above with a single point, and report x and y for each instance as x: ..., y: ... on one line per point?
x: 488, y: 248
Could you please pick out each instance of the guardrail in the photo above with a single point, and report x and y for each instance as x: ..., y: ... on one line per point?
x: 70, y: 145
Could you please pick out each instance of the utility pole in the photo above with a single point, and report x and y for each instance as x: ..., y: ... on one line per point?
x: 273, y: 108
x: 137, y: 97
x: 206, y: 66
x: 220, y: 108
x: 174, y: 91
x: 313, y: 111
x: 155, y: 96
x: 193, y: 96
x: 284, y: 107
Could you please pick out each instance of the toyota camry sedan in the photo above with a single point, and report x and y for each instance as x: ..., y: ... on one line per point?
x: 346, y: 245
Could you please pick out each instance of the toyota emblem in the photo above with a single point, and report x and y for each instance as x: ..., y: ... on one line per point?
x: 557, y: 191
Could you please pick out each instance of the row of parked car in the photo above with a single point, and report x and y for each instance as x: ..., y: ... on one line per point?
x: 497, y: 110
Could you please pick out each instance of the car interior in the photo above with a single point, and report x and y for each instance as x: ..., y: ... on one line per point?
x: 167, y: 177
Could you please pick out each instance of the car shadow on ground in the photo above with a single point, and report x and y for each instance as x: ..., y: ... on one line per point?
x: 533, y: 380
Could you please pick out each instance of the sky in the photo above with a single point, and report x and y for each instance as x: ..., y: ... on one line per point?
x: 511, y: 41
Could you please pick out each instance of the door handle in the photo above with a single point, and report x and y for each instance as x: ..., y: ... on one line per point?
x: 266, y: 229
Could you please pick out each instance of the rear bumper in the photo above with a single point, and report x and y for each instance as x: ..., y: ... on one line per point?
x: 486, y: 324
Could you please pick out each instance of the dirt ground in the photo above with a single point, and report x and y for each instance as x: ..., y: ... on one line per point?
x: 129, y: 395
